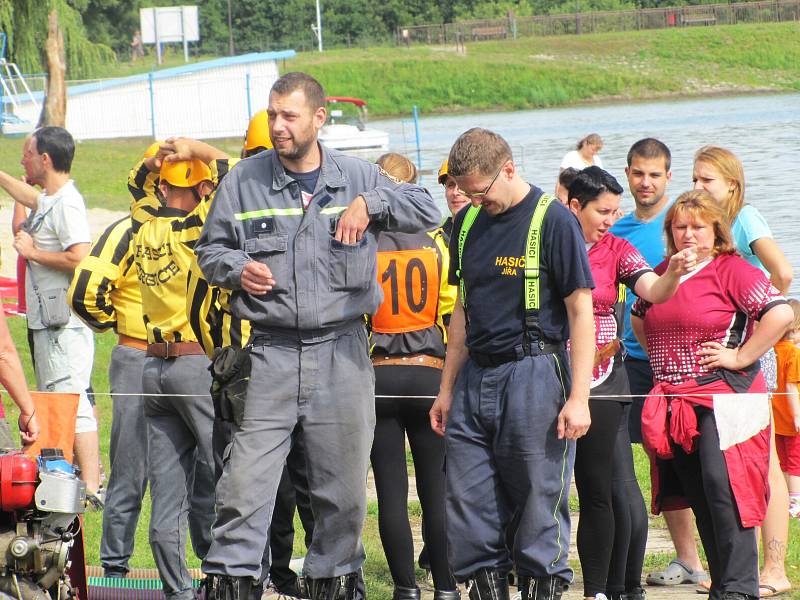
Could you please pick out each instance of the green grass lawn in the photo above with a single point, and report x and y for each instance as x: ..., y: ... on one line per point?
x: 534, y: 72
x: 378, y: 579
x: 556, y: 70
x: 379, y: 582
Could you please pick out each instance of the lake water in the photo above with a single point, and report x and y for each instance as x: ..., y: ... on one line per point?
x: 764, y: 131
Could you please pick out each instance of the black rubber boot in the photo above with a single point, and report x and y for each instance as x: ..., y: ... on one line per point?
x: 289, y: 587
x: 637, y: 594
x: 737, y: 596
x: 205, y: 591
x: 542, y: 588
x: 405, y: 593
x: 488, y: 584
x: 446, y: 595
x: 223, y: 587
x: 343, y: 587
x: 325, y: 588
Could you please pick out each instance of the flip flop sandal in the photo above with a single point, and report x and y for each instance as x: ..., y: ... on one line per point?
x: 677, y: 572
x: 704, y: 587
x: 768, y: 591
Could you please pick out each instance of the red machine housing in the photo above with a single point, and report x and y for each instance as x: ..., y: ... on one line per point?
x: 18, y: 480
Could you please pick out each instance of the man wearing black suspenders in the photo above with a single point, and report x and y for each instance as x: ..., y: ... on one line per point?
x: 512, y: 399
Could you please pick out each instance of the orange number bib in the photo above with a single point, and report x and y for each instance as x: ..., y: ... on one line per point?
x: 410, y: 281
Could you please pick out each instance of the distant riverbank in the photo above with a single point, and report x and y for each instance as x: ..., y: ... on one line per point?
x: 564, y: 70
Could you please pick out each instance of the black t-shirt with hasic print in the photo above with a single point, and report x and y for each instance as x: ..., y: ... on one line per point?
x: 493, y: 270
x: 307, y: 183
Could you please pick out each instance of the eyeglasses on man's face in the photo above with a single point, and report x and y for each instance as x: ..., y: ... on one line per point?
x: 482, y: 195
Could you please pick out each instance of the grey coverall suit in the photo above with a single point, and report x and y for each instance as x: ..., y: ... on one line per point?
x: 310, y: 360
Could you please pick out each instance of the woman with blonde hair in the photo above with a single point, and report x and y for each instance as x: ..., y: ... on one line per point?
x: 585, y: 155
x: 398, y: 166
x: 708, y: 414
x: 719, y: 172
x: 407, y: 340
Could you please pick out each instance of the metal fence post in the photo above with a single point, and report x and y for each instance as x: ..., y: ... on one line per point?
x: 152, y: 105
x: 247, y: 91
x: 416, y: 132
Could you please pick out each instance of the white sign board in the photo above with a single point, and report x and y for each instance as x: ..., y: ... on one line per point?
x: 169, y: 24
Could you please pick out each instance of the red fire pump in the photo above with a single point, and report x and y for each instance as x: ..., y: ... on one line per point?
x: 39, y: 502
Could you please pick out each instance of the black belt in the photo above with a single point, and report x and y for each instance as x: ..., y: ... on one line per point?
x: 533, y: 349
x: 280, y: 336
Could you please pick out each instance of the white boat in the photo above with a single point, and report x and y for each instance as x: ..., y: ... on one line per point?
x: 346, y: 127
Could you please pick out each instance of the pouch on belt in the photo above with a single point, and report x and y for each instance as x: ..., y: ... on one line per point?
x: 230, y: 370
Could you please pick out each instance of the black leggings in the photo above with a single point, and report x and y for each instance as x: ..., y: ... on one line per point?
x: 594, y: 469
x: 630, y: 516
x: 396, y: 418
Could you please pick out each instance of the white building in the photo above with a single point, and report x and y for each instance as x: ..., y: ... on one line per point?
x: 208, y: 99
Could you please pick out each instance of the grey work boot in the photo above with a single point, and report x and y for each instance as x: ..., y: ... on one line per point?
x: 542, y: 588
x: 488, y: 584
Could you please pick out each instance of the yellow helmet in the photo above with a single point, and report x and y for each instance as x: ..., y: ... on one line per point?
x: 185, y: 173
x: 152, y: 150
x: 257, y: 135
x: 443, y: 172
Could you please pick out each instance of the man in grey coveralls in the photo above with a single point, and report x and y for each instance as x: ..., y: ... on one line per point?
x: 293, y: 233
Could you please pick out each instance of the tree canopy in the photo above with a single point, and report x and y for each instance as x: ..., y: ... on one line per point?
x: 25, y: 23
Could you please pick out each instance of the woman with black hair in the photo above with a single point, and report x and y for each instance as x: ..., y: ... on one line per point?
x: 594, y: 198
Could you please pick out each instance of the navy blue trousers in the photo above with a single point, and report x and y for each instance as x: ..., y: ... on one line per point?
x: 504, y: 459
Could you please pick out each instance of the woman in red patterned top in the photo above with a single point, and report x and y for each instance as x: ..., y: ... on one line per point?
x: 612, y: 530
x: 708, y: 416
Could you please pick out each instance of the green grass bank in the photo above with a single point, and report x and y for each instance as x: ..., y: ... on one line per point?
x: 507, y: 75
x: 559, y: 70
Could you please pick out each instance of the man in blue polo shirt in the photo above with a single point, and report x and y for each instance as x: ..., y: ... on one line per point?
x: 648, y: 173
x: 509, y: 404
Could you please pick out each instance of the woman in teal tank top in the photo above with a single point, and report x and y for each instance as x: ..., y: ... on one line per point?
x: 720, y: 172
